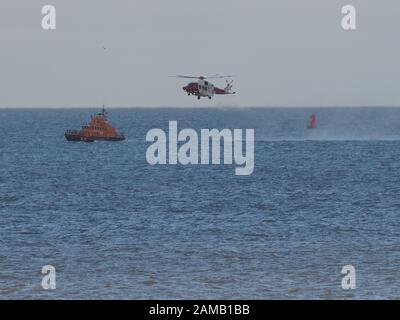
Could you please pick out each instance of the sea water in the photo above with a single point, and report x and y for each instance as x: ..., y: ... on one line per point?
x: 114, y: 226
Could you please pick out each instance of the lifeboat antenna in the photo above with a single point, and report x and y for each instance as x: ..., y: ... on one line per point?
x: 104, y: 112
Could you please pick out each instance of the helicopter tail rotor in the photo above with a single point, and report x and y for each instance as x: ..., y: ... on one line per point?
x: 229, y: 85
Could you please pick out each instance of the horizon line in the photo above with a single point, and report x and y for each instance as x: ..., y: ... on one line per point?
x: 205, y: 107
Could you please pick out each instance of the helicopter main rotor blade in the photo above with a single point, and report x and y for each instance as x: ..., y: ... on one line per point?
x: 184, y: 77
x: 217, y: 76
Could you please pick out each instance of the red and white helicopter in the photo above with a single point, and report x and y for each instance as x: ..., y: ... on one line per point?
x: 204, y: 88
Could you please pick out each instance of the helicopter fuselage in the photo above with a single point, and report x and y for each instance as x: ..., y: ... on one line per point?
x: 202, y: 88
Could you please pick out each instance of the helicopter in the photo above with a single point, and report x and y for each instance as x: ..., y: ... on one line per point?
x: 204, y: 88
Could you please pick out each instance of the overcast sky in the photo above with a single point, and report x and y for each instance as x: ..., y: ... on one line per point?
x: 284, y: 52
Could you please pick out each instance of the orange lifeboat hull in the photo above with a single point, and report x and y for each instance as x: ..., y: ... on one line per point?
x: 97, y: 129
x: 78, y: 136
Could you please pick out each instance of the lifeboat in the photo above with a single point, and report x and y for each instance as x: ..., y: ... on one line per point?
x: 97, y: 129
x: 312, y: 122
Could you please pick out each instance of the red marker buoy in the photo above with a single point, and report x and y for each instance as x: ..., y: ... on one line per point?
x: 312, y: 122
